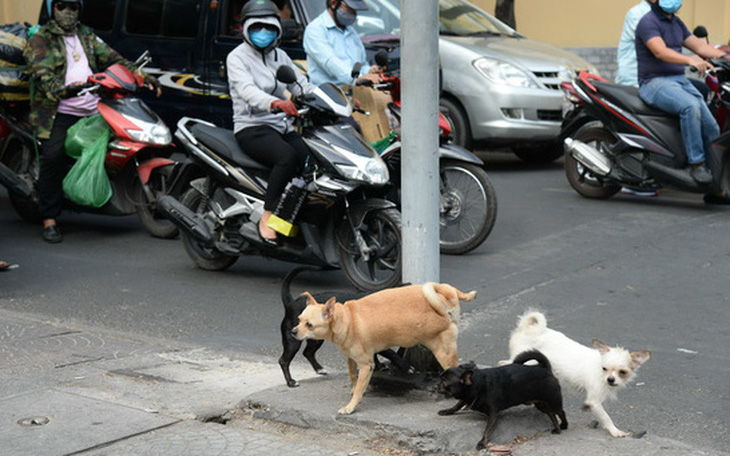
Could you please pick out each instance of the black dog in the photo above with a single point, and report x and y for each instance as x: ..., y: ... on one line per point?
x: 292, y: 309
x: 491, y: 390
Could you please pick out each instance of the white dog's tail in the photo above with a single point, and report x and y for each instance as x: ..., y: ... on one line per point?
x: 445, y: 299
x: 532, y: 322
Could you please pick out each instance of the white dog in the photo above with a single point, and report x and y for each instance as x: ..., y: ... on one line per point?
x: 598, y: 371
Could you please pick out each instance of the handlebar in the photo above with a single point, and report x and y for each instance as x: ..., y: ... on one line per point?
x: 300, y: 112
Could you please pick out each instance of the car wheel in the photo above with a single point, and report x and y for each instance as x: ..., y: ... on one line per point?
x: 459, y: 122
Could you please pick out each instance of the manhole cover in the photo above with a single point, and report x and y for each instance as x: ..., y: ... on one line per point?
x: 34, y: 421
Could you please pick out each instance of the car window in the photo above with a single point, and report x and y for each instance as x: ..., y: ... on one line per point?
x: 456, y: 17
x: 99, y: 14
x: 168, y: 18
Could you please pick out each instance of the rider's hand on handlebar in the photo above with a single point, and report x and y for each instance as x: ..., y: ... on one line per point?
x: 153, y: 84
x: 377, y: 69
x: 74, y: 88
x: 285, y: 106
x: 369, y: 79
x: 700, y: 64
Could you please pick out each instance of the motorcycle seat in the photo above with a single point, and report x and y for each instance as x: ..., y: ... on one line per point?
x: 628, y: 97
x: 223, y: 142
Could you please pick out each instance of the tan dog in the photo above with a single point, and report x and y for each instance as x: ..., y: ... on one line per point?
x: 406, y: 316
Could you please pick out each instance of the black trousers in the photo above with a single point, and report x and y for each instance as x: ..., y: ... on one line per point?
x: 54, y: 166
x: 285, y: 153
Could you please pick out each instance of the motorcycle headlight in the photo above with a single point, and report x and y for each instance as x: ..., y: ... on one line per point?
x: 500, y: 72
x: 370, y: 170
x: 149, y: 133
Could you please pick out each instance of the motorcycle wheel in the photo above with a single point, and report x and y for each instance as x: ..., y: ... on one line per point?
x: 381, y: 230
x: 155, y: 223
x: 580, y: 178
x: 468, y: 207
x: 26, y: 208
x: 204, y: 257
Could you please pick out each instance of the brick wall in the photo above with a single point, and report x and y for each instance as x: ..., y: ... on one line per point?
x: 604, y: 58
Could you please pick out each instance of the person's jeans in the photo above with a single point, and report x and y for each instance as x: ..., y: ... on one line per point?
x: 676, y: 95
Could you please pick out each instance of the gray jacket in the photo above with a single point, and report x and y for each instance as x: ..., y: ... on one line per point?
x: 253, y: 87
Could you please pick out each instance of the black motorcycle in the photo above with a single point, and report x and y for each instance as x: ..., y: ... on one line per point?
x: 613, y: 139
x: 336, y: 220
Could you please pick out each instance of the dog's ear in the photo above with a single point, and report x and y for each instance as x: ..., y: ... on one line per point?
x: 466, y: 377
x: 310, y: 299
x: 603, y: 348
x: 639, y: 357
x: 329, y: 308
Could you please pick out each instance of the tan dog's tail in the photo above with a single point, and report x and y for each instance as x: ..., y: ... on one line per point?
x: 445, y: 298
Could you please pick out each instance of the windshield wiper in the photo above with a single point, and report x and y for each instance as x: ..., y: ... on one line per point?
x: 482, y: 33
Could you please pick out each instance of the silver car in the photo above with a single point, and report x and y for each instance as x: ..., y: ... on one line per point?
x: 499, y: 88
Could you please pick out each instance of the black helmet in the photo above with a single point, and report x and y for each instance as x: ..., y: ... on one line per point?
x: 50, y: 3
x: 258, y: 8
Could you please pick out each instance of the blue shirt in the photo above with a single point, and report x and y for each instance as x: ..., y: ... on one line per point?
x: 332, y: 52
x: 628, y: 73
x: 670, y: 29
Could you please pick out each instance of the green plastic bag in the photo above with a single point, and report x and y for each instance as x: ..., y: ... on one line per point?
x: 83, y: 134
x: 384, y: 143
x: 87, y: 183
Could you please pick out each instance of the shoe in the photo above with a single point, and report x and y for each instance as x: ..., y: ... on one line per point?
x: 700, y: 174
x: 52, y: 234
x: 713, y: 198
x: 268, y: 241
x: 639, y: 191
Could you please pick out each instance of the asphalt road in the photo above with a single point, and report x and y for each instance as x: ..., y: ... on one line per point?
x: 645, y: 273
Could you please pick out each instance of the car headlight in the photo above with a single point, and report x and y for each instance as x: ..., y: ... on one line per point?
x: 500, y: 72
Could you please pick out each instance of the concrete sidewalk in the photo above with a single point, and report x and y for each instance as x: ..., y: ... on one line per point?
x: 68, y: 389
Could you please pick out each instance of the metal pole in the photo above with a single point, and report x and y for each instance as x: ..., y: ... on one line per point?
x: 419, y: 162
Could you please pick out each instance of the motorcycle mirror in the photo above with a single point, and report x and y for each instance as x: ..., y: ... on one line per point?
x: 286, y: 74
x: 142, y: 58
x: 356, y: 70
x: 381, y: 58
x: 700, y: 32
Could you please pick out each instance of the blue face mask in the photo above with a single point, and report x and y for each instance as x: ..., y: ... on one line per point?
x: 262, y: 38
x: 345, y: 17
x: 670, y: 6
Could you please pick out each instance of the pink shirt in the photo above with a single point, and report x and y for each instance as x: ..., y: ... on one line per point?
x: 77, y: 70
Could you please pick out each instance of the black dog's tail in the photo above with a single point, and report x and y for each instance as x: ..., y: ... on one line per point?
x: 286, y: 296
x: 533, y: 355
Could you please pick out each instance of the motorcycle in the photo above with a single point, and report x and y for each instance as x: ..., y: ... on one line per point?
x: 614, y: 139
x: 468, y: 202
x: 137, y: 161
x: 335, y: 222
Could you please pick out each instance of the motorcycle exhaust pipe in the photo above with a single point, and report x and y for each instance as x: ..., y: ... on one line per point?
x: 588, y: 156
x: 185, y: 219
x: 13, y: 183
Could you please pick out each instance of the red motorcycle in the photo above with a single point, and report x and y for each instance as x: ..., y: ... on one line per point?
x: 137, y: 160
x: 468, y: 202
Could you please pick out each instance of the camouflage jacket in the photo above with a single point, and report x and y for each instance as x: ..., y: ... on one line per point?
x: 45, y: 55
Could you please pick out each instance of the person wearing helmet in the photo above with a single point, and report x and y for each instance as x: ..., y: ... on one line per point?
x: 262, y: 114
x: 333, y: 46
x: 60, y: 57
